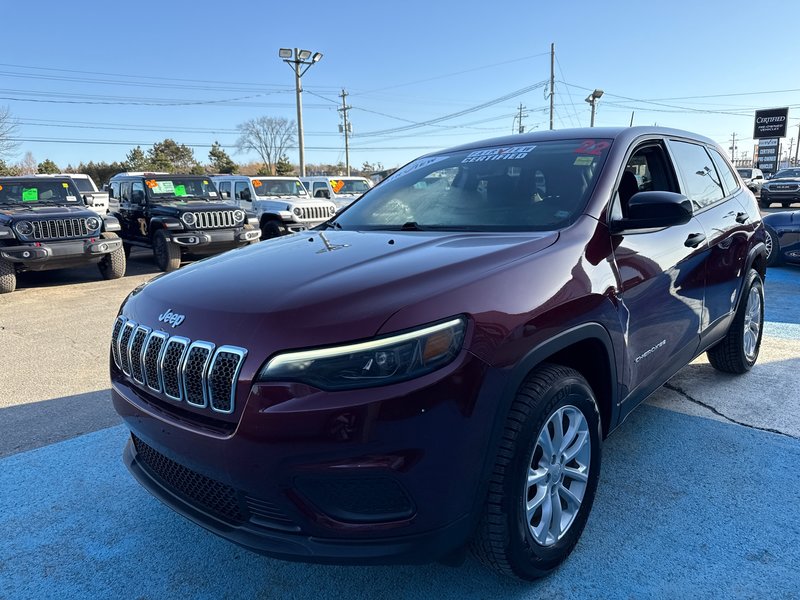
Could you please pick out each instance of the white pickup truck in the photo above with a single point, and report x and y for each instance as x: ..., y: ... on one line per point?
x: 282, y: 204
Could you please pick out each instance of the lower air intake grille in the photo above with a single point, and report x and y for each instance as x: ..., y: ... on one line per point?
x: 214, y: 496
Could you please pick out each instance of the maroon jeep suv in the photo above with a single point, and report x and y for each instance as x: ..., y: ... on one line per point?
x: 435, y: 368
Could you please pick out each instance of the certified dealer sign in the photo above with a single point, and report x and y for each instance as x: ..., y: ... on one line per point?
x: 771, y: 123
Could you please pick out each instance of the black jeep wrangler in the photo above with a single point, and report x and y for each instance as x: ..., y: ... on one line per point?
x: 44, y: 224
x: 177, y: 216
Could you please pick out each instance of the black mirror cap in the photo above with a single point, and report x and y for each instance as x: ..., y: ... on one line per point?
x: 651, y: 210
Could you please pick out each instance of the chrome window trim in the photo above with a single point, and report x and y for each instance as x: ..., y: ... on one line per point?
x: 203, y: 377
x: 242, y: 354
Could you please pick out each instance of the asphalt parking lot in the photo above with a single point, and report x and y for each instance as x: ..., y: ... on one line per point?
x: 700, y: 491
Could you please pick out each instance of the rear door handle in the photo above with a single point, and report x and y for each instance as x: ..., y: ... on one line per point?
x: 694, y: 240
x: 742, y: 217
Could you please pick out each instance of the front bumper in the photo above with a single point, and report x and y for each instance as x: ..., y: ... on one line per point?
x: 222, y: 237
x: 60, y: 251
x: 790, y: 197
x: 379, y: 476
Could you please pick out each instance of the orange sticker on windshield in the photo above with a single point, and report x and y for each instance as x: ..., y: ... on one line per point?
x: 337, y: 185
x: 257, y: 183
x: 151, y: 183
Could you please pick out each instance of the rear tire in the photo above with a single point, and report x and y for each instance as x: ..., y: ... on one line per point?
x: 112, y: 266
x: 167, y: 254
x: 773, y: 247
x: 738, y: 350
x: 8, y: 277
x: 764, y: 203
x: 545, y: 475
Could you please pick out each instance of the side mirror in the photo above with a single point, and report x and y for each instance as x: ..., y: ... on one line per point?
x: 88, y: 200
x: 225, y: 194
x: 650, y: 210
x: 245, y: 195
x: 322, y: 194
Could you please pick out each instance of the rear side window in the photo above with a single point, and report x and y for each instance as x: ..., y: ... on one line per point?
x: 728, y: 177
x: 702, y: 183
x: 225, y: 189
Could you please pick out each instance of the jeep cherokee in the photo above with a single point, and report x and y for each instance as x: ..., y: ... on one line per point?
x: 437, y: 367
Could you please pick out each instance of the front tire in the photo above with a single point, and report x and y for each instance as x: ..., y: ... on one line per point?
x: 545, y: 475
x: 112, y: 266
x: 167, y: 254
x: 738, y: 350
x: 271, y: 229
x: 8, y: 277
x: 773, y: 247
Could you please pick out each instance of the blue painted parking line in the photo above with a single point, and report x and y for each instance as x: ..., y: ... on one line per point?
x: 782, y: 303
x: 686, y: 507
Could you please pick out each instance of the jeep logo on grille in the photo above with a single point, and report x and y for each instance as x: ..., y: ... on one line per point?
x: 170, y: 317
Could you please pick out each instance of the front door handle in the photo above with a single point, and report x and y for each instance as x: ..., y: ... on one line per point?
x: 742, y: 217
x: 694, y: 240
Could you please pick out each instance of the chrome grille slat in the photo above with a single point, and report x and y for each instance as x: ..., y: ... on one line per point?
x: 214, y: 219
x: 135, y: 351
x: 198, y: 372
x: 52, y: 229
x: 170, y: 362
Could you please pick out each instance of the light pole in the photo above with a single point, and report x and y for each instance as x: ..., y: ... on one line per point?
x: 592, y: 99
x: 295, y: 59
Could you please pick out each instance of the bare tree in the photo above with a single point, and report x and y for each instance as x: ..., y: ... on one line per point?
x: 29, y: 166
x: 8, y: 129
x: 268, y: 136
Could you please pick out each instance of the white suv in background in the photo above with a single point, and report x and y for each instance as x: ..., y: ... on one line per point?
x: 343, y: 191
x: 753, y: 178
x: 282, y: 204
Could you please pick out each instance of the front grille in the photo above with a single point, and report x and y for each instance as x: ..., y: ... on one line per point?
x: 54, y: 229
x: 315, y: 213
x: 784, y: 187
x: 214, y: 496
x: 197, y: 373
x: 217, y: 219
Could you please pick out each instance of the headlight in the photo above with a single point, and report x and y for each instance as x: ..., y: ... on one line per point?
x: 376, y: 362
x: 24, y: 228
x: 332, y: 210
x: 297, y: 211
x: 92, y: 223
x: 188, y: 219
x: 238, y: 216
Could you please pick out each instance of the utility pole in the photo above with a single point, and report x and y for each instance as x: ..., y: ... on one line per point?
x: 346, y: 129
x: 796, y: 148
x: 295, y: 59
x: 519, y: 116
x: 733, y: 147
x: 552, y: 80
x: 789, y: 156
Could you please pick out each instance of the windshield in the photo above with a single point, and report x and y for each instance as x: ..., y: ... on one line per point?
x: 349, y: 186
x: 525, y: 187
x: 279, y: 187
x: 745, y: 173
x: 38, y: 191
x: 84, y: 185
x: 178, y: 187
x: 787, y: 173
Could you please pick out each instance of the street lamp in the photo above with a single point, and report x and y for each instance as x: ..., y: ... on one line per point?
x: 297, y: 59
x: 592, y: 99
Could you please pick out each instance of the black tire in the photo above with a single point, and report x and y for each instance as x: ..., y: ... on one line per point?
x: 167, y: 254
x: 505, y: 539
x: 8, y: 277
x: 763, y: 203
x: 738, y: 350
x: 786, y: 204
x: 112, y: 266
x: 271, y: 229
x: 774, y: 257
x: 127, y: 248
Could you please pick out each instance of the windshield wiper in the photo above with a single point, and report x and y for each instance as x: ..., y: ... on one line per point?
x: 330, y: 225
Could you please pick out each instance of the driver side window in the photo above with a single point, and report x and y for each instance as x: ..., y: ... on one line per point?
x: 648, y: 169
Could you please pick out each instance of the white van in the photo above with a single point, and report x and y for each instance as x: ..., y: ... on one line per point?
x: 282, y: 204
x: 341, y: 190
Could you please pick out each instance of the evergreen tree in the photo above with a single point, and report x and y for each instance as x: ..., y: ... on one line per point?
x: 135, y: 160
x: 283, y: 166
x: 48, y: 167
x: 220, y: 161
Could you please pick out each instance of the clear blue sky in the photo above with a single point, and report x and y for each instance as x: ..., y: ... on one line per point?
x: 127, y: 74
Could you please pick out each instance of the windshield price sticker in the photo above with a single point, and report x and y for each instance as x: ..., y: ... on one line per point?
x: 592, y: 147
x: 257, y: 183
x: 337, y: 185
x: 65, y: 185
x: 164, y: 187
x: 30, y: 194
x: 180, y: 190
x: 507, y: 153
x: 584, y: 161
x: 72, y: 198
x: 416, y: 165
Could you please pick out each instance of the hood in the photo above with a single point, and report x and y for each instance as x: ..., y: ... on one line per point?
x: 323, y: 287
x: 11, y: 213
